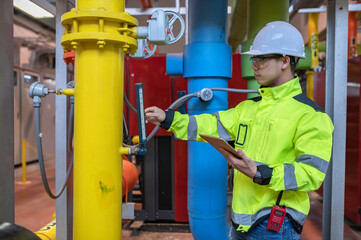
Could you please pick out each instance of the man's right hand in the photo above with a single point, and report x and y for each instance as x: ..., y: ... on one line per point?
x: 154, y: 115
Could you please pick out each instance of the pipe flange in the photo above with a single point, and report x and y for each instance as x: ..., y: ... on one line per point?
x: 122, y: 34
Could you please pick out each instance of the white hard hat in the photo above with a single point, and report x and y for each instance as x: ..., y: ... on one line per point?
x: 278, y: 38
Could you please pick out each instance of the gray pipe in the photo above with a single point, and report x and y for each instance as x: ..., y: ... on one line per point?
x: 129, y: 104
x: 185, y: 98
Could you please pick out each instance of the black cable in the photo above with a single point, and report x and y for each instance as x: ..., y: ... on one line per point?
x: 41, y: 160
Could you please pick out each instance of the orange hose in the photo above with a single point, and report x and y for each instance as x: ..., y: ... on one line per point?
x: 130, y: 177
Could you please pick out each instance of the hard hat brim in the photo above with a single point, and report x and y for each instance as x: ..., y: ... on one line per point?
x: 257, y: 53
x: 254, y: 52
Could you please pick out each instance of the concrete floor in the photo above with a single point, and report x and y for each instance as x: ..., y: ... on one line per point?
x: 34, y: 209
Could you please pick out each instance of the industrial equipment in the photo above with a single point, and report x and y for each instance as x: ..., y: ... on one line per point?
x: 159, y: 31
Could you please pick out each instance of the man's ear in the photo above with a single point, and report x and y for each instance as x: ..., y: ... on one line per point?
x: 286, y: 61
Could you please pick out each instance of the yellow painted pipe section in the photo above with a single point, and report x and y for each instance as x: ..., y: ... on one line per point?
x: 66, y: 91
x: 313, y: 37
x: 97, y: 31
x: 313, y: 43
x: 23, y: 162
x: 98, y: 135
x: 124, y: 150
x: 310, y: 84
x: 48, y: 232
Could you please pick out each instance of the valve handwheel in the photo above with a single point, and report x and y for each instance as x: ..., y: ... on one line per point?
x: 174, y: 16
x: 147, y: 51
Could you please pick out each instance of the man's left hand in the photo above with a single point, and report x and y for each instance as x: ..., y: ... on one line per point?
x: 242, y: 163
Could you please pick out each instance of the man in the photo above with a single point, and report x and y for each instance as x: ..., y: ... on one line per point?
x: 283, y: 140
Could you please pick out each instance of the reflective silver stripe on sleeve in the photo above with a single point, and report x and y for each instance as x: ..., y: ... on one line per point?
x: 249, y: 219
x: 290, y: 177
x: 221, y: 130
x: 192, y: 128
x: 313, y: 161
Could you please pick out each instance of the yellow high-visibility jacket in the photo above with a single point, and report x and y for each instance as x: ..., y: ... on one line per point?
x: 282, y: 129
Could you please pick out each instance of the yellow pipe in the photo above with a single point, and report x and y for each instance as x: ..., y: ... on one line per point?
x: 65, y: 91
x: 124, y: 150
x: 23, y: 156
x: 99, y: 63
x: 313, y: 37
x: 313, y: 43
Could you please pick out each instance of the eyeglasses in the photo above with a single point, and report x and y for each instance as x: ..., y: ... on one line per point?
x: 258, y: 61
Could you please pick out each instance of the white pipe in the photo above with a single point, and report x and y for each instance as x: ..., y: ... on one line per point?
x: 177, y: 5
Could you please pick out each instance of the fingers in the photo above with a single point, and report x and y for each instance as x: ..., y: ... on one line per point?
x: 242, y: 154
x: 230, y: 158
x: 154, y: 115
x: 150, y: 109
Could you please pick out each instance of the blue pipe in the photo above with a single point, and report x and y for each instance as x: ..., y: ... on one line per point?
x: 207, y: 62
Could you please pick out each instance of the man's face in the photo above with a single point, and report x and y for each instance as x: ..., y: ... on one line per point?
x: 267, y: 69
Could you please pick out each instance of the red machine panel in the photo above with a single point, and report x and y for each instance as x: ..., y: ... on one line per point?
x: 156, y: 86
x: 180, y: 165
x: 353, y: 136
x: 236, y: 82
x: 180, y: 180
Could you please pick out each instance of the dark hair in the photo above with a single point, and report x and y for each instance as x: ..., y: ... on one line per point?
x: 293, y: 64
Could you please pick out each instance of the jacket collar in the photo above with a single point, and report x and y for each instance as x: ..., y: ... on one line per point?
x: 286, y: 90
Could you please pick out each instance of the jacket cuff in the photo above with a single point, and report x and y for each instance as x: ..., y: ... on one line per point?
x: 266, y: 173
x: 169, y: 116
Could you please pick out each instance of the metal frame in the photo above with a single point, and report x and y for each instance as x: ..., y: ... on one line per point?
x: 7, y: 211
x: 63, y: 217
x: 336, y: 104
x: 356, y: 7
